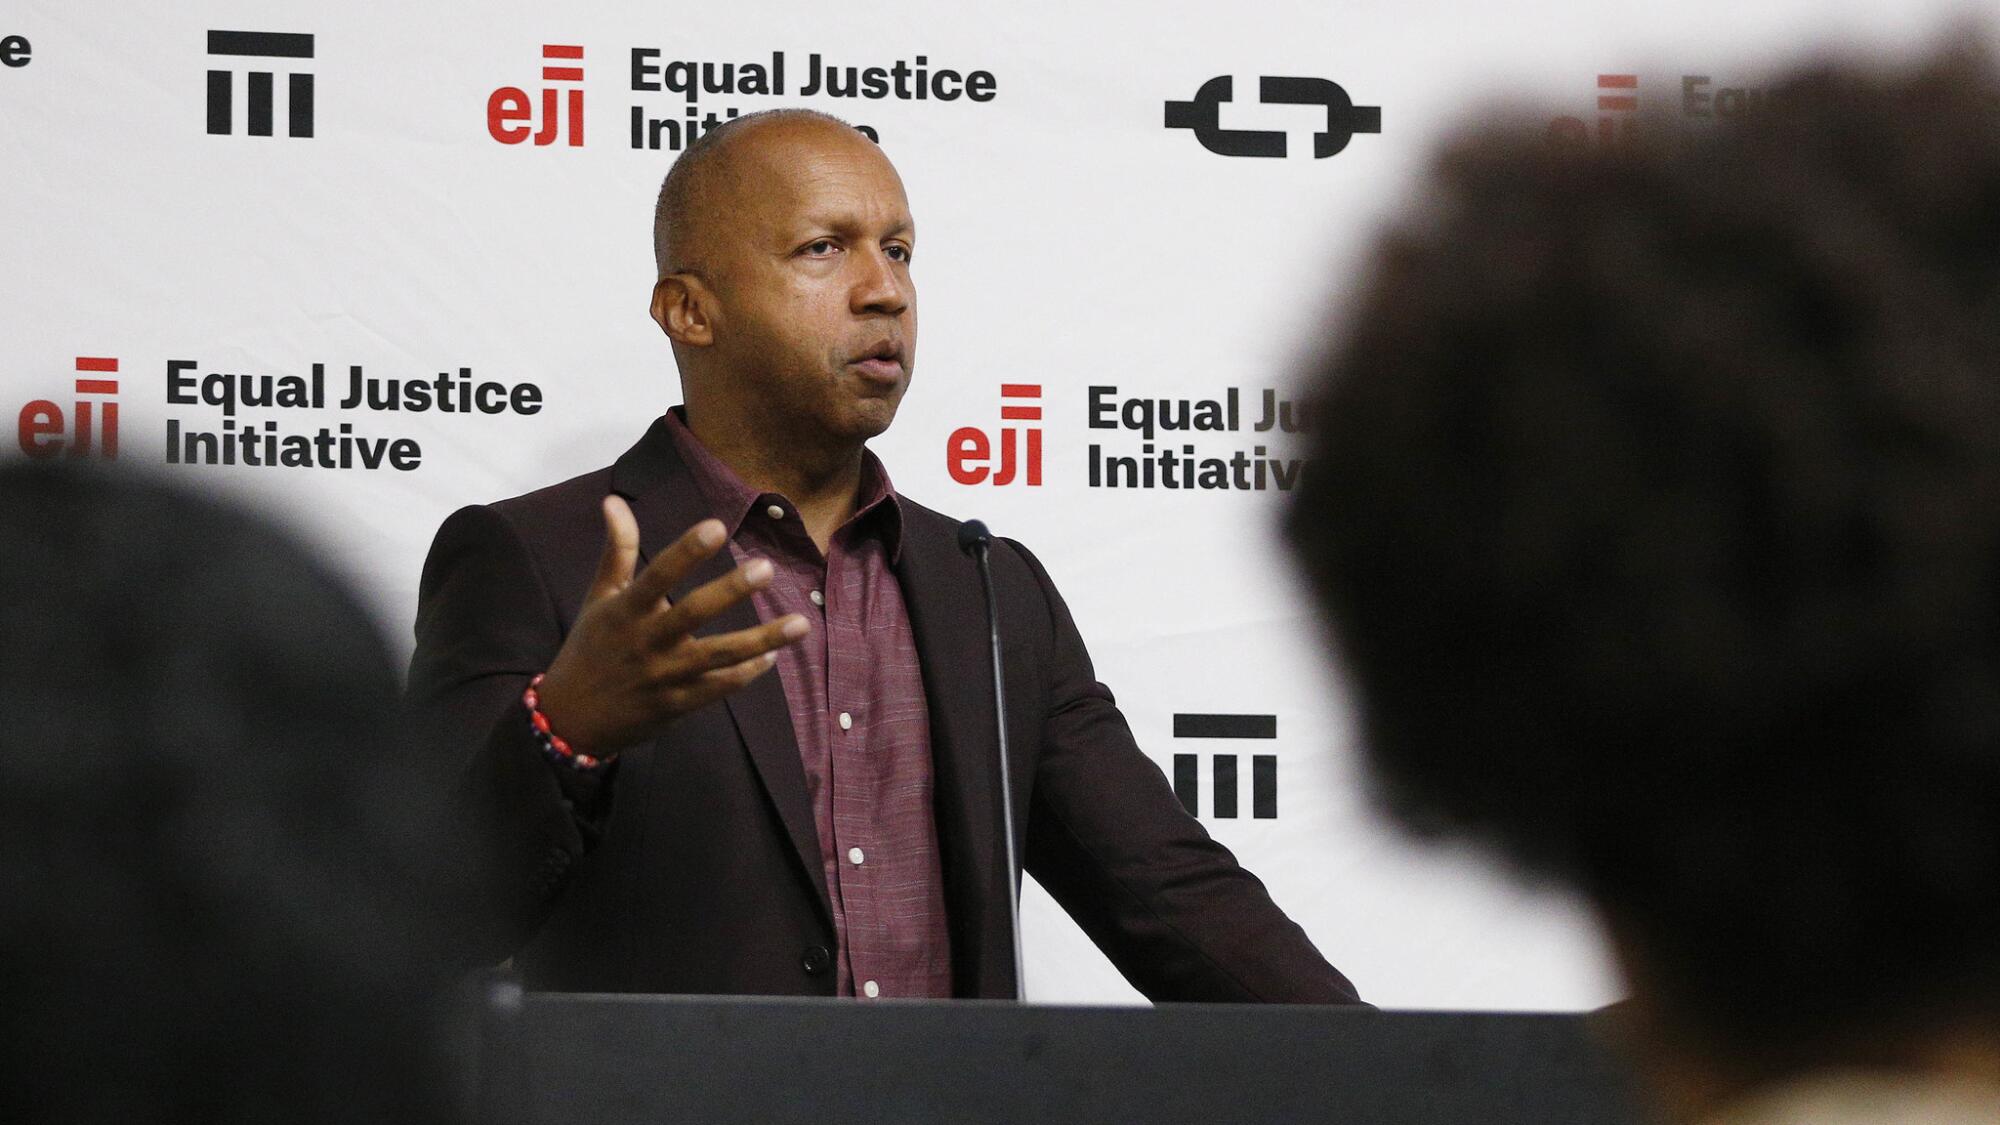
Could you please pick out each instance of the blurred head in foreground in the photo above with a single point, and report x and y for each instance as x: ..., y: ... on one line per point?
x: 210, y: 866
x: 1656, y: 509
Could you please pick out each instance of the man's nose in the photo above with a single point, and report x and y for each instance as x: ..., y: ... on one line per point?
x: 881, y: 287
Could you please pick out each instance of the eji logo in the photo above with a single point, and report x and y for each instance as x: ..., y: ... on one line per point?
x: 91, y: 424
x: 510, y: 108
x: 969, y: 451
x: 1617, y: 99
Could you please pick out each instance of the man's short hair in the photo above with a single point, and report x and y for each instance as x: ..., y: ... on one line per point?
x: 1656, y: 507
x: 677, y: 209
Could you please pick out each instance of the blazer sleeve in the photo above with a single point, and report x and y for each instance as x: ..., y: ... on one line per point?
x: 486, y: 624
x: 1171, y: 907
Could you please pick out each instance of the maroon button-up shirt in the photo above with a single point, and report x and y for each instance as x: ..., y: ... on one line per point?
x: 856, y: 696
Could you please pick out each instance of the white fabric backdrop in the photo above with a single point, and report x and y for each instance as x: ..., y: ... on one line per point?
x: 1068, y: 240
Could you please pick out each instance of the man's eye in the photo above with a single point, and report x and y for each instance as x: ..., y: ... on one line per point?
x: 898, y: 252
x: 821, y: 247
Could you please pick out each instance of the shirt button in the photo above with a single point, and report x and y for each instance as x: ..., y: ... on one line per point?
x: 854, y: 856
x: 817, y: 598
x: 846, y: 721
x: 871, y: 990
x: 775, y: 512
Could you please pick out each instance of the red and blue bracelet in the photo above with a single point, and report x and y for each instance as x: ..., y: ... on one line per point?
x: 552, y: 743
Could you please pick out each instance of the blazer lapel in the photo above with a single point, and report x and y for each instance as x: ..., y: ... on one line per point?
x: 666, y: 502
x: 948, y: 615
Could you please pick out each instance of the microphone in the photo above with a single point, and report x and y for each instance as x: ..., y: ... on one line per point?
x: 975, y: 540
x: 973, y: 536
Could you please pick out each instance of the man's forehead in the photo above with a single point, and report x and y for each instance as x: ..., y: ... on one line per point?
x: 785, y: 153
x: 825, y: 173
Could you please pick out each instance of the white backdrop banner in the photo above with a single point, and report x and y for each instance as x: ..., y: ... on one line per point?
x: 362, y: 264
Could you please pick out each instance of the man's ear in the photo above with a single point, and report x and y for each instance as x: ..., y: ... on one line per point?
x: 682, y: 307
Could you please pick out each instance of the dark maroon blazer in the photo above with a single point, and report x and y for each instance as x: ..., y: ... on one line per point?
x: 693, y: 865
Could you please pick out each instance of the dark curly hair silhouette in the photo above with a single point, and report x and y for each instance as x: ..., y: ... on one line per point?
x: 1656, y: 511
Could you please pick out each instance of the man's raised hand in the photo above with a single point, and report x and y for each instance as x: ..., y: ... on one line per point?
x: 632, y: 663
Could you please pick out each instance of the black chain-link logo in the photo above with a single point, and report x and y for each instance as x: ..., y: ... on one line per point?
x: 1343, y: 117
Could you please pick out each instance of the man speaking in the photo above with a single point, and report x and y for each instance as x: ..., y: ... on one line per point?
x: 662, y: 815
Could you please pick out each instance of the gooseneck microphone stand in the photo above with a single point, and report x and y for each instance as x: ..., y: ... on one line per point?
x: 975, y: 540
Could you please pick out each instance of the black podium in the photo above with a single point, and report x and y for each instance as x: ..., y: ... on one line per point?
x: 552, y: 1059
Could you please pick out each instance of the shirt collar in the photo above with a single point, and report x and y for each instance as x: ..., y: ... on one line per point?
x: 732, y: 499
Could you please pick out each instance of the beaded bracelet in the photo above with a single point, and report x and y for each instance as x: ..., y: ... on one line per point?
x: 552, y: 743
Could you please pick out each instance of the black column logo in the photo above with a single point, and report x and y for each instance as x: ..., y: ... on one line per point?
x: 1203, y: 115
x: 259, y: 83
x: 1263, y: 767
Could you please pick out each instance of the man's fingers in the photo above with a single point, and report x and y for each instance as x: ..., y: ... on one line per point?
x: 672, y: 565
x: 698, y: 657
x: 718, y: 683
x: 710, y: 598
x: 621, y: 550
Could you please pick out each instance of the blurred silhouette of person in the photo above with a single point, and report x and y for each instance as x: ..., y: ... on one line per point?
x: 216, y: 901
x: 1655, y: 507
